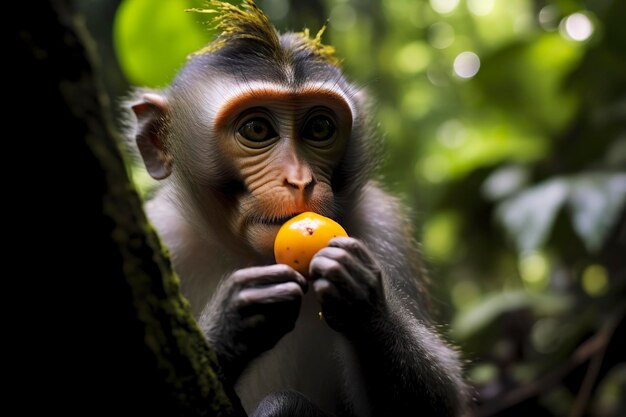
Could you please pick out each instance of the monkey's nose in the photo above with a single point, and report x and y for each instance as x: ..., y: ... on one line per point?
x: 300, y: 184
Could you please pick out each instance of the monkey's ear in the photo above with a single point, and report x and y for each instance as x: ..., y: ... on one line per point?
x: 151, y: 112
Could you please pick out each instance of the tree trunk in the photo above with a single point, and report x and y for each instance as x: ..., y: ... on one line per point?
x: 119, y: 338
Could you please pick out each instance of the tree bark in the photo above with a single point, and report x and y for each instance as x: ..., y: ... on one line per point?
x: 118, y: 335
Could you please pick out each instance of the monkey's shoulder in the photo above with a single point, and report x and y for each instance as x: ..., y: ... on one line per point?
x: 379, y: 214
x: 383, y: 223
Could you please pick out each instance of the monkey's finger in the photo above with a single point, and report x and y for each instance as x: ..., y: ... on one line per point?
x: 350, y: 263
x: 326, y: 267
x: 259, y: 276
x: 337, y: 274
x: 325, y: 291
x: 252, y: 299
x: 358, y: 271
x: 333, y: 305
x: 285, y: 291
x: 356, y: 248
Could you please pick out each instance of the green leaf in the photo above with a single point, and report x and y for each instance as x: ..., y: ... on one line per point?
x: 153, y: 39
x: 525, y: 79
x: 478, y: 318
x: 505, y: 181
x: 595, y: 201
x: 528, y: 216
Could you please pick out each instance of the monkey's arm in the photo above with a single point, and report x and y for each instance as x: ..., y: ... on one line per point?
x: 407, y: 367
x: 403, y: 362
x: 252, y: 309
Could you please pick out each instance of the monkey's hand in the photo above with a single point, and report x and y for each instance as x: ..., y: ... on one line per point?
x: 250, y: 312
x: 348, y: 285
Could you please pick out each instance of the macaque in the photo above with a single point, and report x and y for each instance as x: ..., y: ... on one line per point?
x: 255, y: 129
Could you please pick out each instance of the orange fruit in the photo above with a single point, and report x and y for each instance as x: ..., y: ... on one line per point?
x: 302, y: 237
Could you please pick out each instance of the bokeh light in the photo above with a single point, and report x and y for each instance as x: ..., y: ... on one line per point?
x: 444, y: 6
x: 545, y: 335
x: 434, y: 168
x: 343, y: 17
x: 595, y: 280
x: 548, y: 18
x: 440, y: 35
x: 466, y: 64
x: 480, y: 7
x: 451, y: 133
x: 413, y: 57
x: 465, y: 293
x: 533, y: 268
x: 577, y: 27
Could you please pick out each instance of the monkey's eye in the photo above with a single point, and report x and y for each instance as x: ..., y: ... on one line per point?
x: 257, y: 130
x: 318, y: 129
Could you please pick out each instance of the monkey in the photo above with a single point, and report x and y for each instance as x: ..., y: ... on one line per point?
x: 254, y: 129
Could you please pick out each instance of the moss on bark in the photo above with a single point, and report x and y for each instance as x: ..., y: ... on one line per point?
x: 132, y: 343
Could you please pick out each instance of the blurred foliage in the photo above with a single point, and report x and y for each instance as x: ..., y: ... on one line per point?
x: 153, y: 40
x: 505, y: 128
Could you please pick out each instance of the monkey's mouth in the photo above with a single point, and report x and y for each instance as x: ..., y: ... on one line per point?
x: 274, y: 220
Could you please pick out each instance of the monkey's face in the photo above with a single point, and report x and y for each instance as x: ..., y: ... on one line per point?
x: 283, y: 144
x: 247, y: 156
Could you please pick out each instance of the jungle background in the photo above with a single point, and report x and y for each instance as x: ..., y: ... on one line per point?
x: 505, y: 133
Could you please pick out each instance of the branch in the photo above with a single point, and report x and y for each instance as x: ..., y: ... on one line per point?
x: 593, y: 348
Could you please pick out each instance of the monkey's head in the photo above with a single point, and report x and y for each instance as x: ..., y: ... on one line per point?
x: 256, y: 128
